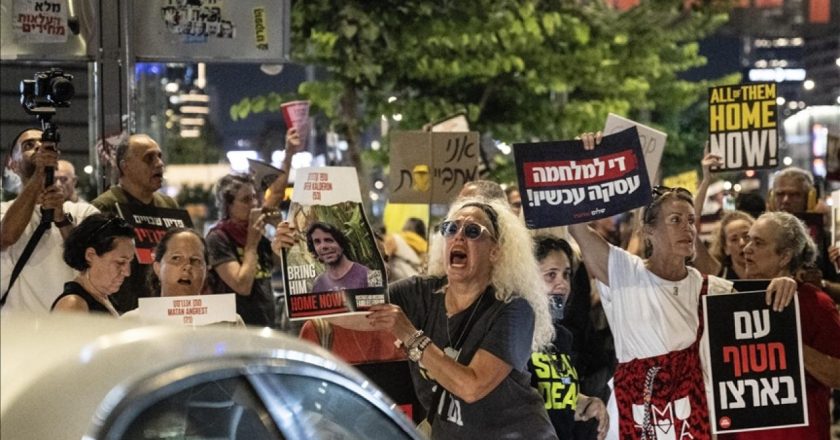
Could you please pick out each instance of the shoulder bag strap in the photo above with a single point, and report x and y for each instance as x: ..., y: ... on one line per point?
x: 24, y: 257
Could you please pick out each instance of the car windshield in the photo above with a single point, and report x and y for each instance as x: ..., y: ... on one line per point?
x: 221, y: 409
x: 252, y: 407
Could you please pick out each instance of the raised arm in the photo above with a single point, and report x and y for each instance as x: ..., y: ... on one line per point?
x: 19, y: 213
x: 594, y: 248
x: 703, y: 260
x: 277, y: 189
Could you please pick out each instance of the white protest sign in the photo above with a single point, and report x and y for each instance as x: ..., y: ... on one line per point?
x: 37, y: 21
x: 189, y: 310
x: 652, y: 140
x: 318, y: 186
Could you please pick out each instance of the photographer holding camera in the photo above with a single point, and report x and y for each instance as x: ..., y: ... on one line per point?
x: 42, y: 276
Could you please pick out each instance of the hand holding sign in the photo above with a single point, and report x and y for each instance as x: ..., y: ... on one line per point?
x: 590, y: 140
x: 780, y: 292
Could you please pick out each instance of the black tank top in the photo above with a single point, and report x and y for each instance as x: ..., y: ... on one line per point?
x: 74, y: 288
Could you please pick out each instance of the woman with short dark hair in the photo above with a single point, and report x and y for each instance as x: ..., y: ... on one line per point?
x: 101, y: 249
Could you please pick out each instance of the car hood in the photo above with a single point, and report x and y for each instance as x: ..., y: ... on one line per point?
x: 62, y: 366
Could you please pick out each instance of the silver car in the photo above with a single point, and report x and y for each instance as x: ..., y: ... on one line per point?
x: 79, y: 376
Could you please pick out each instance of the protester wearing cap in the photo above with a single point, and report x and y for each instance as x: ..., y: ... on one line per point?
x: 42, y: 273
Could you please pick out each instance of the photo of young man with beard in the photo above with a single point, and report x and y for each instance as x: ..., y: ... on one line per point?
x: 329, y: 246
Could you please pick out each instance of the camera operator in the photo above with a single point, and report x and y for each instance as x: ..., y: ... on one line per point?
x: 43, y: 275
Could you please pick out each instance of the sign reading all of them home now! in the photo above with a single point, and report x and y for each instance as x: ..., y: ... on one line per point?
x: 742, y: 126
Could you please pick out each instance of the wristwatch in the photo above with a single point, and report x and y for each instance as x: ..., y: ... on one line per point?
x: 67, y: 220
x: 415, y: 353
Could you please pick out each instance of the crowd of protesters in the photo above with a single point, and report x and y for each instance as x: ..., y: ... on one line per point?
x: 579, y: 332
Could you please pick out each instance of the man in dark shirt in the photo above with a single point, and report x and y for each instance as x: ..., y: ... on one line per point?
x: 140, y: 163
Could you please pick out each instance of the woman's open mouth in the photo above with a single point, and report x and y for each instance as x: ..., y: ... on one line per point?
x: 457, y: 258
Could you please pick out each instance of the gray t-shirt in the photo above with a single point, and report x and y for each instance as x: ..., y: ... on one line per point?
x: 513, y: 410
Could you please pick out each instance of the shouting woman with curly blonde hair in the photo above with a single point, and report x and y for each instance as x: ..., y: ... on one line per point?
x: 470, y: 326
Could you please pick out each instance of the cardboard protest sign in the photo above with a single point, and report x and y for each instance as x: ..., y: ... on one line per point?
x: 742, y: 126
x: 652, y: 140
x: 431, y: 167
x: 561, y: 183
x: 755, y: 358
x: 189, y: 310
x: 150, y: 224
x: 335, y: 267
x: 264, y: 174
x: 296, y: 115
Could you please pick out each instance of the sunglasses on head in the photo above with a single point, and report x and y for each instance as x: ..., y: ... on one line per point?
x: 660, y: 190
x: 104, y: 225
x: 472, y: 231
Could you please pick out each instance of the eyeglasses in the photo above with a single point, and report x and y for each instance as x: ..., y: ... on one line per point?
x: 471, y: 230
x: 660, y: 190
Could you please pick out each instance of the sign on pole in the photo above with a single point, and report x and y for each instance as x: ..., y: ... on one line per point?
x: 742, y: 126
x: 755, y: 358
x: 561, y: 183
x: 335, y: 267
x: 431, y: 167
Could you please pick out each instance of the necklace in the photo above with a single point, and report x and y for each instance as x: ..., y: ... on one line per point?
x: 100, y: 298
x: 454, y: 350
x: 669, y: 287
x: 673, y: 289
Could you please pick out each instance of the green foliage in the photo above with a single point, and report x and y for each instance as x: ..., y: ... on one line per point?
x: 206, y: 148
x: 522, y: 70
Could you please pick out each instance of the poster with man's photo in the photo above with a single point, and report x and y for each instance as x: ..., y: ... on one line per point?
x: 335, y: 267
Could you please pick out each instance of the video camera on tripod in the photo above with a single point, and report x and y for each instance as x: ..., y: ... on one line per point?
x: 41, y: 96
